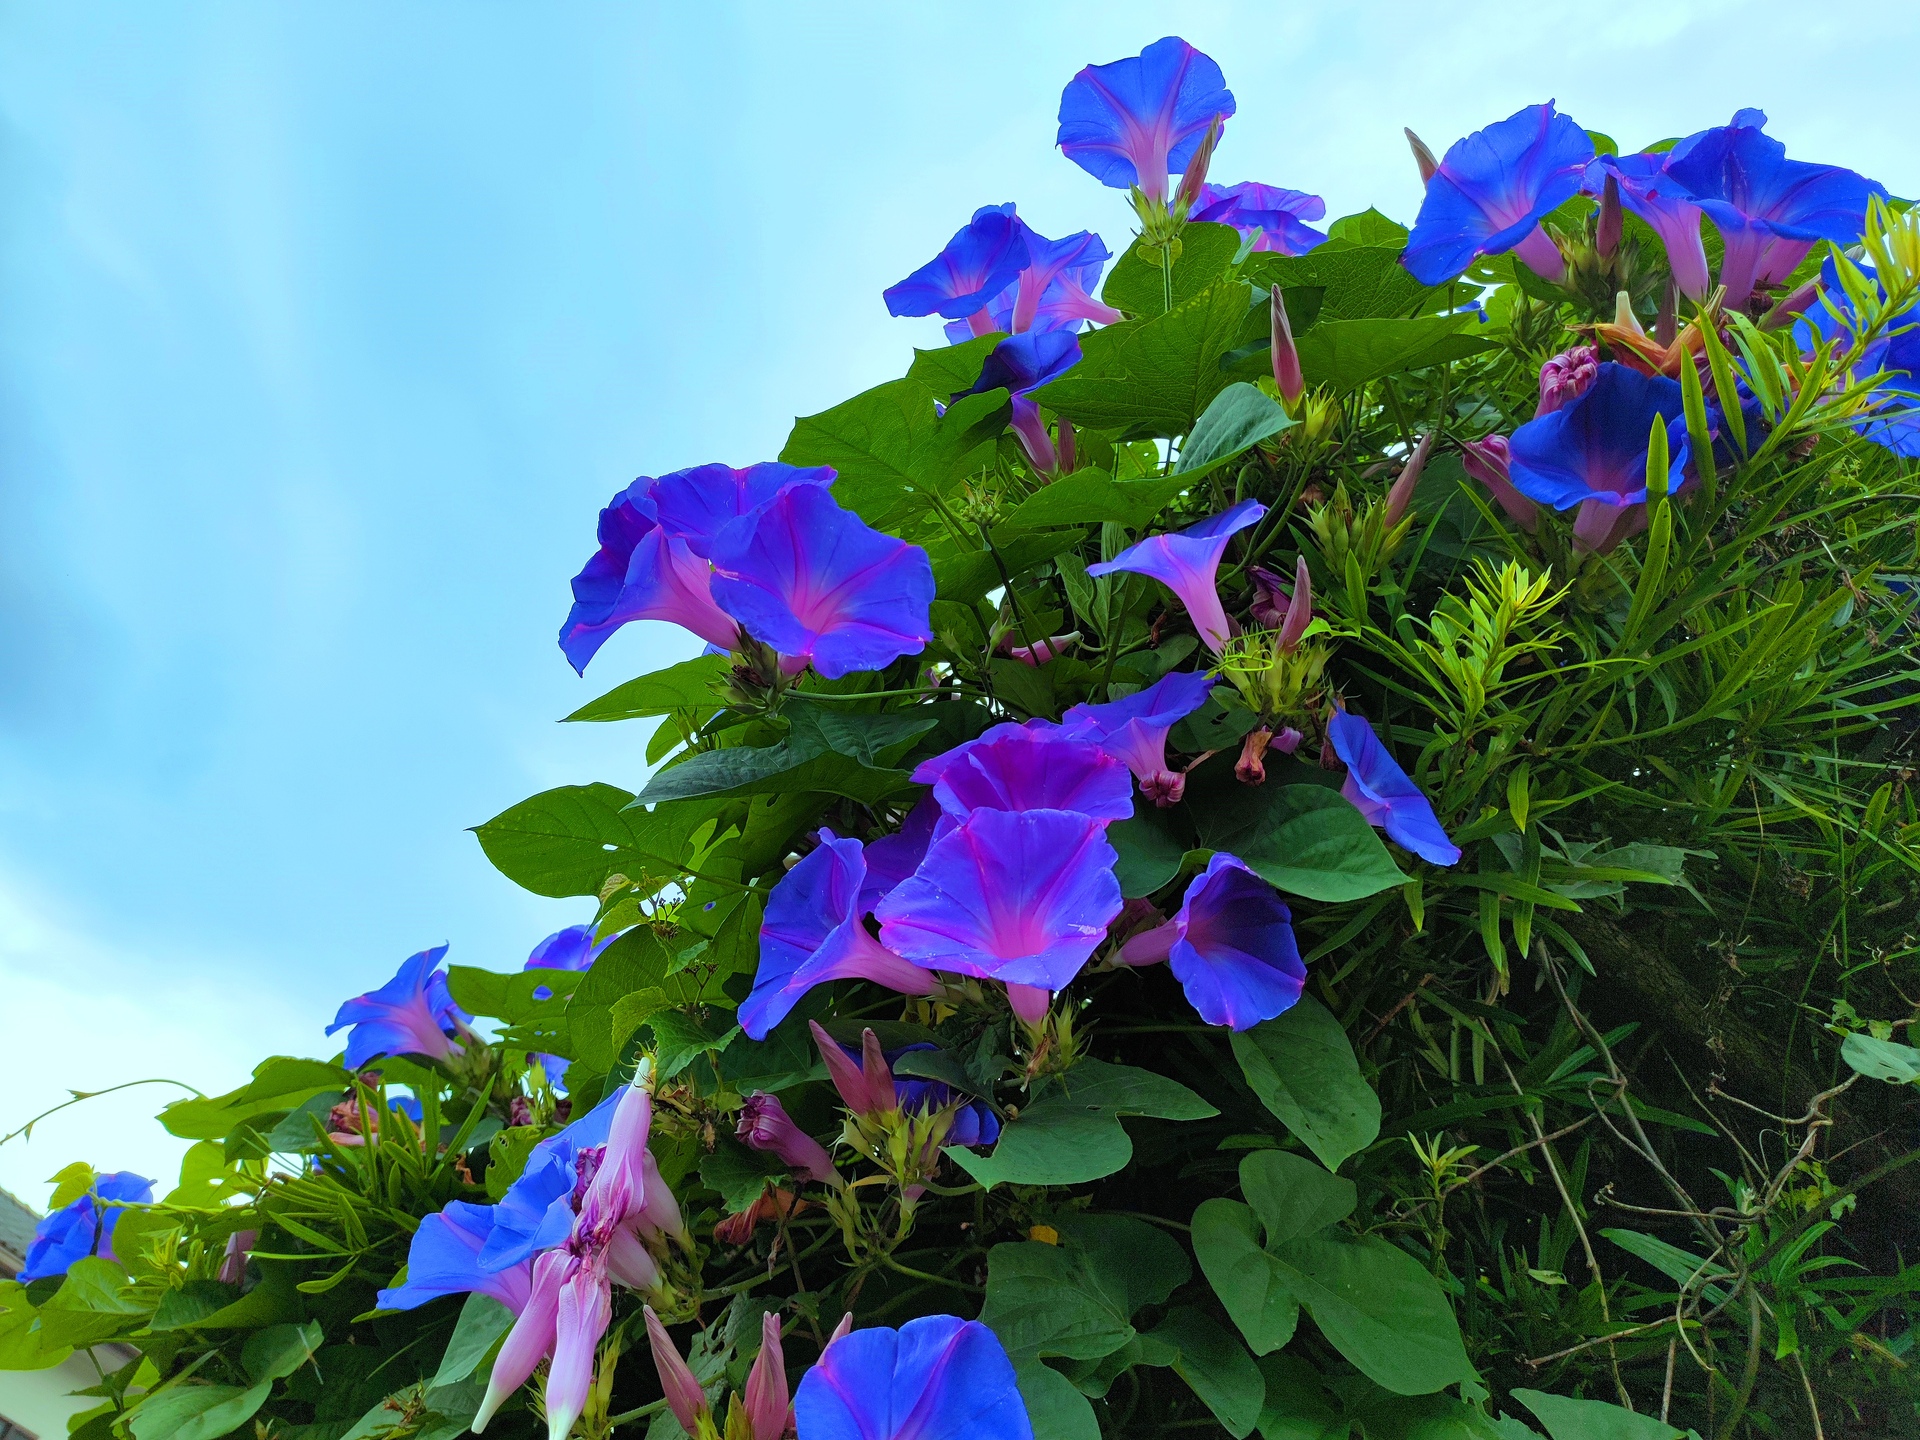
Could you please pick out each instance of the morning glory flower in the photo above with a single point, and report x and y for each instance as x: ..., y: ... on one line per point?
x: 1492, y: 191
x: 1490, y: 462
x: 444, y: 1259
x: 817, y: 582
x: 1593, y: 453
x: 1133, y: 730
x: 984, y: 257
x: 1134, y: 121
x: 1020, y: 897
x: 1018, y: 767
x: 1020, y: 365
x: 1380, y: 790
x: 412, y: 1014
x: 892, y: 858
x: 935, y: 1378
x: 1277, y: 216
x: 1231, y: 946
x: 1657, y: 198
x: 695, y: 505
x: 1186, y: 563
x: 815, y: 931
x: 1768, y: 209
x: 84, y: 1226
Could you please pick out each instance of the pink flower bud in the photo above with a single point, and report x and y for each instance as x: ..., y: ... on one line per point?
x: 1486, y: 461
x: 1422, y: 156
x: 765, y: 1125
x: 1300, y: 608
x: 843, y: 1329
x: 1063, y: 444
x: 866, y: 1087
x: 1287, y: 376
x: 1270, y: 597
x: 1566, y: 377
x: 685, y: 1398
x: 233, y: 1265
x: 1401, y: 495
x: 768, y: 1406
x: 1286, y: 741
x: 1195, y: 175
x: 1607, y: 229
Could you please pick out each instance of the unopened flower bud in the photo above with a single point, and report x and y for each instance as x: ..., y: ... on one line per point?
x: 1293, y: 625
x: 765, y: 1125
x: 1566, y: 377
x: 1487, y: 461
x: 1287, y: 741
x: 768, y: 1405
x: 685, y: 1398
x: 1401, y: 495
x: 1422, y: 156
x: 1287, y: 376
x: 1195, y: 174
x: 1607, y: 229
x: 1063, y: 445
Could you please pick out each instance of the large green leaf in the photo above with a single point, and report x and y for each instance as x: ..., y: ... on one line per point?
x: 278, y: 1085
x: 1305, y: 839
x: 1089, y: 497
x: 197, y: 1412
x: 1072, y: 1133
x: 686, y: 686
x: 1226, y: 1241
x: 483, y: 1323
x: 1346, y: 354
x: 509, y: 996
x: 567, y: 841
x: 1239, y: 417
x: 1076, y: 1299
x: 1570, y: 1419
x: 1138, y: 285
x: 1216, y: 1366
x: 1355, y: 281
x: 964, y: 575
x: 1055, y: 1409
x: 1292, y: 1195
x: 1297, y: 1405
x: 950, y: 368
x: 1154, y: 377
x: 1302, y: 1066
x: 1887, y: 1060
x: 635, y: 963
x: 825, y: 752
x: 1151, y: 846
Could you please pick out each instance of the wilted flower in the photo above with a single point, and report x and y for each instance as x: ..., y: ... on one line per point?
x: 1134, y: 121
x: 1593, y: 453
x: 412, y: 1014
x: 814, y: 931
x: 1186, y: 563
x: 1491, y: 192
x: 84, y: 1226
x: 1134, y: 730
x: 1020, y: 897
x: 1231, y: 946
x: 1380, y: 790
x: 1277, y: 216
x: 938, y: 1376
x: 983, y: 258
x: 765, y: 1125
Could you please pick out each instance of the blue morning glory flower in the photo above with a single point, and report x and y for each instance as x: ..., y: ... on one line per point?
x: 983, y: 258
x: 1134, y: 729
x: 444, y: 1259
x: 1492, y: 191
x: 1231, y: 946
x: 573, y: 948
x: 1054, y: 292
x: 84, y: 1226
x: 1186, y: 562
x: 1769, y: 210
x: 1657, y: 198
x: 815, y: 931
x: 935, y: 1378
x: 1277, y: 216
x: 537, y: 1211
x: 1134, y: 121
x: 412, y: 1014
x: 1592, y: 452
x: 695, y: 505
x: 816, y: 582
x: 1022, y: 767
x: 1380, y: 790
x: 1020, y: 365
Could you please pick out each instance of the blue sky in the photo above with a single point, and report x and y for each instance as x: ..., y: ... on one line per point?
x: 325, y: 330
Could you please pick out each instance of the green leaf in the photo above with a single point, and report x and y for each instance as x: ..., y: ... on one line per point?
x: 825, y: 752
x: 483, y: 1323
x: 1297, y: 1407
x: 1303, y: 1068
x: 1154, y: 377
x: 185, y: 1306
x: 1292, y: 1195
x: 1055, y: 1409
x: 1216, y: 1366
x: 279, y: 1084
x: 1138, y: 285
x: 1077, y: 1299
x: 964, y: 575
x: 1226, y: 1241
x: 197, y: 1412
x: 277, y: 1351
x: 636, y: 962
x: 1569, y: 1419
x: 1377, y: 1306
x: 1092, y: 497
x: 739, y: 1174
x: 1881, y: 1059
x: 686, y: 686
x: 1682, y: 1267
x: 1072, y: 1133
x: 1369, y: 227
x: 951, y: 368
x: 1151, y: 846
x: 508, y: 996
x: 1240, y: 417
x: 1306, y: 839
x: 567, y: 841
x: 1346, y: 354
x: 1355, y: 281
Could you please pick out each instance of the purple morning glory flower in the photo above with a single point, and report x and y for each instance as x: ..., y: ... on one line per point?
x: 1054, y: 292
x: 1380, y: 790
x: 1491, y: 192
x: 982, y: 259
x: 815, y: 931
x: 1278, y: 216
x: 537, y: 1211
x: 1015, y: 767
x: 1657, y: 198
x: 1134, y: 121
x: 1134, y: 730
x: 1020, y: 365
x: 1769, y: 210
x: 639, y: 573
x: 935, y: 1378
x: 1186, y: 563
x: 84, y: 1226
x: 695, y: 505
x: 815, y: 581
x: 1231, y: 946
x: 1592, y: 453
x: 573, y: 948
x: 412, y: 1014
x: 1021, y: 897
x: 892, y: 858
x: 444, y: 1259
